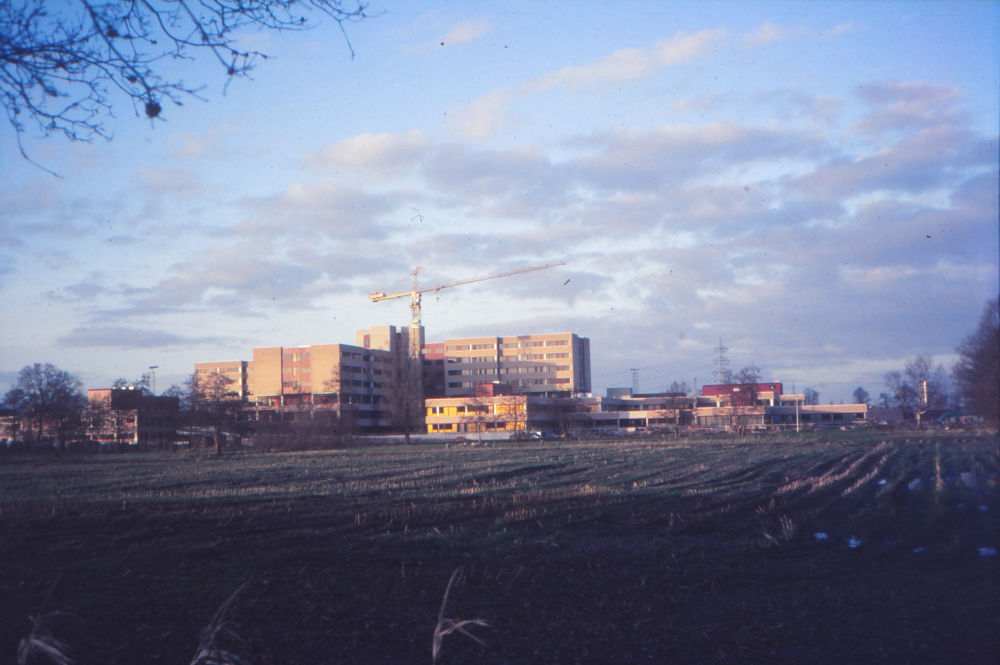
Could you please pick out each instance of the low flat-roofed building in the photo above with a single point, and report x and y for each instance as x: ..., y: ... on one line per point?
x: 130, y: 416
x: 503, y: 410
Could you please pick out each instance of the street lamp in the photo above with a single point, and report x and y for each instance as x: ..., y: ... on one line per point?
x: 152, y: 369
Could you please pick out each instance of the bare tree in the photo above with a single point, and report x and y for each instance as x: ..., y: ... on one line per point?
x: 107, y: 419
x: 479, y: 411
x: 673, y: 409
x: 977, y: 372
x: 191, y: 393
x: 810, y: 397
x: 571, y: 416
x: 919, y: 385
x: 221, y: 406
x: 404, y: 399
x: 141, y: 384
x: 48, y: 397
x: 61, y: 64
x: 744, y: 400
x: 679, y: 387
x: 174, y: 391
x: 512, y: 410
x: 930, y: 382
x: 901, y: 394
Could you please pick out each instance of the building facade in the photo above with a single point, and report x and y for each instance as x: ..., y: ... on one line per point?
x: 235, y: 370
x: 503, y: 411
x: 291, y: 379
x: 128, y: 416
x: 555, y: 364
x: 338, y: 377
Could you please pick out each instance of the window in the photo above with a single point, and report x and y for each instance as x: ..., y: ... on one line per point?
x: 457, y: 347
x: 477, y: 347
x: 553, y: 356
x: 556, y: 342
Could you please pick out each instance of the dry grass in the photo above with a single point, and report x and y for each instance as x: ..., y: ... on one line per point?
x: 209, y: 650
x: 447, y: 626
x: 40, y: 643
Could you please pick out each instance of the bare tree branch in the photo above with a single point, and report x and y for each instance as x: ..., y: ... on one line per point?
x: 60, y: 68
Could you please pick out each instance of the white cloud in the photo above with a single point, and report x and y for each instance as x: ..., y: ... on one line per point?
x: 467, y: 31
x: 683, y: 47
x: 770, y: 32
x: 482, y: 119
x: 379, y: 156
x: 630, y: 64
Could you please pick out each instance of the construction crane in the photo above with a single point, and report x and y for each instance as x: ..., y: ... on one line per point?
x: 415, y: 296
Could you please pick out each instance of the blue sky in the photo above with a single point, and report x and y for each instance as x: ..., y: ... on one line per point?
x: 814, y: 183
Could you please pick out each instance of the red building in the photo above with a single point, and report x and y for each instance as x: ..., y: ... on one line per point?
x: 762, y: 394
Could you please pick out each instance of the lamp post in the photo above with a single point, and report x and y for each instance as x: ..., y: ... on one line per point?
x: 152, y: 369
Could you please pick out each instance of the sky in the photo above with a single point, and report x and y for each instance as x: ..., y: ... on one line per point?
x: 815, y: 184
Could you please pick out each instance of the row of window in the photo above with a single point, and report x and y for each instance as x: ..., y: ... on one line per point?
x: 295, y: 357
x: 536, y: 369
x: 522, y: 382
x: 506, y: 345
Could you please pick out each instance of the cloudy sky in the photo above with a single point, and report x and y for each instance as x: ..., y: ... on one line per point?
x: 815, y: 184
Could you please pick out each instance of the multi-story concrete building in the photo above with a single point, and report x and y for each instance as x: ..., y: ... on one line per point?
x: 289, y: 378
x: 386, y: 338
x: 324, y: 375
x: 555, y: 364
x: 236, y: 370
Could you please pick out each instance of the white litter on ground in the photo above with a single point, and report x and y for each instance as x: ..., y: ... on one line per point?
x: 984, y: 507
x: 820, y: 536
x: 917, y: 550
x: 969, y: 480
x: 853, y: 542
x: 913, y: 483
x: 961, y: 505
x: 987, y: 551
x: 882, y: 482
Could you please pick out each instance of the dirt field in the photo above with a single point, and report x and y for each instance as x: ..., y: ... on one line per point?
x: 651, y: 551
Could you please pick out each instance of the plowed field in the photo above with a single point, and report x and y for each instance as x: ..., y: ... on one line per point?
x: 817, y: 549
